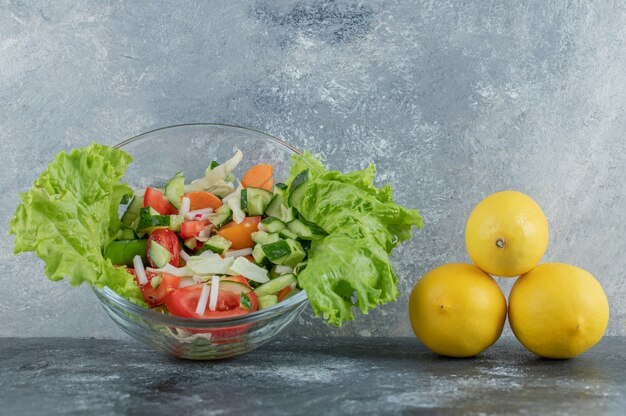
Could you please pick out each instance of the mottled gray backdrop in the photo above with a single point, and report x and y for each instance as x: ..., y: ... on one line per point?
x: 452, y: 100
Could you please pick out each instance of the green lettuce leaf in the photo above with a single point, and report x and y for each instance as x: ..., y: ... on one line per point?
x: 364, y: 225
x: 70, y: 215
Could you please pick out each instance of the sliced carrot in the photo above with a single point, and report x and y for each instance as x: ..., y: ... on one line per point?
x: 250, y: 259
x: 268, y: 184
x: 201, y: 199
x: 240, y: 234
x: 257, y: 176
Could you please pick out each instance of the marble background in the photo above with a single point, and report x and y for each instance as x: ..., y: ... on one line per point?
x: 452, y: 100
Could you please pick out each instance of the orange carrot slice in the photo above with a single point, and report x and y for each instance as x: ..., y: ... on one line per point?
x: 201, y: 199
x: 258, y: 176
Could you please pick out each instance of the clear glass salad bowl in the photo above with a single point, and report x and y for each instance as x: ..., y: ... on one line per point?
x: 157, y: 156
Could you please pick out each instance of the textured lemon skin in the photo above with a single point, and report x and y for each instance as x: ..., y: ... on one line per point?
x: 457, y: 310
x: 558, y: 311
x: 512, y: 220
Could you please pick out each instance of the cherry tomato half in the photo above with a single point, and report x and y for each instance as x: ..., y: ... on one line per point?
x: 240, y: 234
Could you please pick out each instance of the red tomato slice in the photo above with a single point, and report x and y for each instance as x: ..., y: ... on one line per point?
x: 190, y: 229
x: 158, y: 296
x: 240, y: 234
x: 183, y: 303
x: 167, y: 239
x: 155, y: 199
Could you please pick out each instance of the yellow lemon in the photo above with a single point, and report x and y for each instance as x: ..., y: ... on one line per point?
x: 457, y: 310
x: 558, y: 311
x: 506, y: 234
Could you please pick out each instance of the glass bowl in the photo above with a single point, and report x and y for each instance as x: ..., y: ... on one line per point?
x: 190, y: 148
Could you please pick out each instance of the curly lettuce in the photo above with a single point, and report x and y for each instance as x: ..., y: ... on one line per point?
x: 70, y: 215
x: 351, y: 266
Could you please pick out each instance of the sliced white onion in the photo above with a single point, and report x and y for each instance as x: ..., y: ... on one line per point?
x: 215, y: 287
x: 204, y: 296
x: 199, y: 279
x: 169, y: 269
x: 184, y: 255
x: 206, y: 233
x: 238, y: 253
x: 140, y: 272
x: 232, y: 195
x: 184, y: 206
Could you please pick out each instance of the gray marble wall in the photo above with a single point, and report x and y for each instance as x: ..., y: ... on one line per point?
x: 452, y: 100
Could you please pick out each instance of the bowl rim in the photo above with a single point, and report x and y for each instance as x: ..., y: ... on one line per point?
x: 278, y: 308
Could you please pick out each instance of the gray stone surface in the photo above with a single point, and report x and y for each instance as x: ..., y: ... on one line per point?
x: 452, y: 100
x: 306, y: 376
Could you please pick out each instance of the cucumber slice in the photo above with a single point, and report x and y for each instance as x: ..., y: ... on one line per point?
x: 272, y: 225
x: 191, y: 243
x: 257, y: 200
x: 244, y: 200
x: 159, y: 255
x: 306, y: 230
x: 222, y: 216
x: 175, y: 222
x: 287, y: 233
x: 175, y: 189
x: 274, y: 207
x: 288, y: 214
x: 259, y: 256
x: 267, y: 301
x: 262, y: 237
x: 299, y: 180
x: 296, y: 195
x: 150, y: 220
x: 280, y: 189
x: 218, y: 244
x: 275, y: 285
x: 132, y: 211
x: 288, y: 252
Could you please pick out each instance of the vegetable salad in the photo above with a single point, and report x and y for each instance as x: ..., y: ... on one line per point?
x: 217, y: 246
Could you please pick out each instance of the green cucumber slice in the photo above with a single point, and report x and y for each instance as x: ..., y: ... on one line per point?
x: 132, y: 211
x: 275, y: 285
x: 267, y: 301
x: 175, y: 189
x: 218, y: 244
x: 222, y: 216
x: 306, y: 230
x: 159, y: 255
x: 272, y: 225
